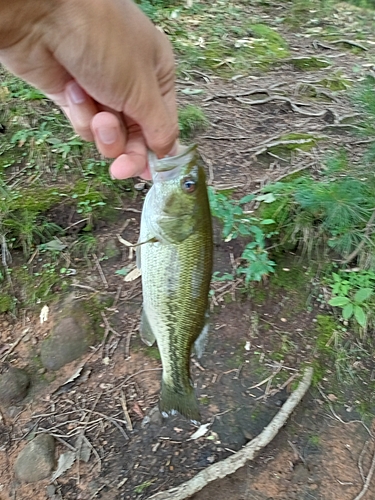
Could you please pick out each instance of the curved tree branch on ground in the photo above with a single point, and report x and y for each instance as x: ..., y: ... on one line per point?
x: 239, y: 459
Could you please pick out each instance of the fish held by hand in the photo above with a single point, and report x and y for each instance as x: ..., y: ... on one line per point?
x: 176, y: 264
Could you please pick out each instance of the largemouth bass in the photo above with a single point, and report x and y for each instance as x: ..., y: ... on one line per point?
x: 175, y: 256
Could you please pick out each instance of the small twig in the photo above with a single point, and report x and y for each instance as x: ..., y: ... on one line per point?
x: 85, y: 287
x: 226, y: 138
x: 100, y: 270
x: 240, y: 94
x: 75, y: 224
x: 279, y: 178
x: 339, y: 418
x: 129, y: 424
x: 108, y: 329
x: 134, y: 375
x: 97, y: 491
x: 35, y: 253
x: 239, y: 459
x: 297, y: 454
x: 360, y: 458
x: 368, y: 480
x: 317, y: 43
x: 265, y: 380
x: 349, y: 42
x: 295, y: 106
x: 65, y: 443
x: 112, y: 420
x: 134, y: 210
x: 15, y: 344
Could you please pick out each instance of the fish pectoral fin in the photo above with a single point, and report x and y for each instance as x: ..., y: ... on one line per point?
x: 145, y: 329
x: 200, y: 343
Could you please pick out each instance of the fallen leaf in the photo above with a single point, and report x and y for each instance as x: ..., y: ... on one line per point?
x: 133, y: 275
x: 332, y: 397
x: 66, y: 460
x: 201, y: 431
x: 44, y: 314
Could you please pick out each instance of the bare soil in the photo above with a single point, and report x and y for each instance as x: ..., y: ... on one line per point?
x: 258, y: 345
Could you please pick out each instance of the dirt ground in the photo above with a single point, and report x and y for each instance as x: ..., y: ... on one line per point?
x: 257, y: 349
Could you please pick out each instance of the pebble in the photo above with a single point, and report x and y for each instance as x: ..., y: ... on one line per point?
x: 71, y: 336
x: 14, y: 385
x: 37, y: 460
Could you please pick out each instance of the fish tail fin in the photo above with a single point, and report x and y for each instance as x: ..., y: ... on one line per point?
x: 184, y: 403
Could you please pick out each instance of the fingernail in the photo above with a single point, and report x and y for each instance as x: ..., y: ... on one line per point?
x: 77, y: 94
x: 107, y: 135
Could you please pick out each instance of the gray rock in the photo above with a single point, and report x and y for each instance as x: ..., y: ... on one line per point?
x: 37, y: 460
x: 13, y: 386
x: 72, y: 335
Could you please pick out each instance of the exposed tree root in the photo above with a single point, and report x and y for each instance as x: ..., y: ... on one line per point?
x: 239, y: 459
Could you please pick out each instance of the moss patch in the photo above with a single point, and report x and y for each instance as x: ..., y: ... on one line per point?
x: 7, y: 302
x: 308, y: 63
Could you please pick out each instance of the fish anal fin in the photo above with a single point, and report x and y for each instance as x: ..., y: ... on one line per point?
x: 201, y: 341
x: 145, y: 329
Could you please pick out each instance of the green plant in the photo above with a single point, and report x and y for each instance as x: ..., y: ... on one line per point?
x: 28, y: 229
x: 352, y: 292
x: 191, y: 119
x: 142, y: 487
x: 331, y: 213
x: 310, y: 12
x: 84, y: 245
x: 237, y: 223
x: 366, y: 4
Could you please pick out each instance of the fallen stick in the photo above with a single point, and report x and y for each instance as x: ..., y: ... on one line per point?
x: 239, y: 459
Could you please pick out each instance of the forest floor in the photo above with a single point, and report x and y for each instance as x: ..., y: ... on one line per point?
x: 261, y: 336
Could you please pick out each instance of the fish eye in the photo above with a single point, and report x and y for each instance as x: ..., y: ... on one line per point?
x: 188, y: 185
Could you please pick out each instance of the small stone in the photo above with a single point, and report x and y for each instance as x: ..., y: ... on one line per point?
x: 37, y: 460
x: 13, y: 386
x: 51, y: 490
x: 72, y: 335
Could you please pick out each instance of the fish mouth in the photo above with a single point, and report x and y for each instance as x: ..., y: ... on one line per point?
x: 164, y: 167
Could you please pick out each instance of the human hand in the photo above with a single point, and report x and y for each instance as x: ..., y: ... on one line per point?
x: 105, y: 65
